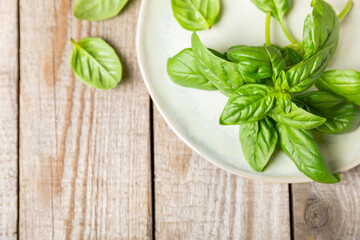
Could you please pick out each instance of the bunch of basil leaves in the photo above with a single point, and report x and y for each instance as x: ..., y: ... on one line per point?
x: 268, y: 88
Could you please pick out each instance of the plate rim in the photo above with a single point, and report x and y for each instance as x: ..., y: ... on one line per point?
x: 184, y: 139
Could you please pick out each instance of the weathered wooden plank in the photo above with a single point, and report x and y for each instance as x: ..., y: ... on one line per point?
x: 328, y: 212
x: 196, y: 200
x: 84, y: 153
x: 8, y: 119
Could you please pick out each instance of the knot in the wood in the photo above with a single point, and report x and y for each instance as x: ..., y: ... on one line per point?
x: 316, y: 214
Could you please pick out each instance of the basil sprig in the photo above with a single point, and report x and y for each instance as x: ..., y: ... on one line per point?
x: 266, y: 88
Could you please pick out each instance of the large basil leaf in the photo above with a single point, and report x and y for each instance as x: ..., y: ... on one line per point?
x: 94, y: 10
x: 196, y: 15
x: 254, y: 62
x: 321, y: 29
x: 297, y: 117
x: 278, y: 8
x: 95, y: 63
x: 249, y: 103
x: 278, y: 63
x: 225, y: 75
x: 342, y: 116
x: 343, y: 82
x: 303, y: 150
x: 183, y: 70
x: 258, y: 141
x: 303, y: 75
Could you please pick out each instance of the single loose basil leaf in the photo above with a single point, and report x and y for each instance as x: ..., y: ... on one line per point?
x: 258, y: 142
x: 95, y: 63
x: 342, y: 82
x: 342, y: 116
x: 249, y: 103
x: 94, y: 10
x: 277, y: 61
x: 183, y: 70
x: 321, y: 29
x: 281, y: 83
x: 278, y: 8
x: 196, y: 15
x: 297, y: 117
x: 284, y: 101
x: 302, y: 149
x: 291, y: 56
x: 254, y: 62
x: 225, y: 75
x: 303, y: 75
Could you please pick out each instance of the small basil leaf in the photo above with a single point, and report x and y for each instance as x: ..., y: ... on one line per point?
x: 321, y: 29
x: 284, y: 101
x: 94, y: 10
x: 95, y: 63
x: 303, y: 150
x: 281, y: 83
x: 277, y: 61
x: 303, y: 75
x: 278, y: 8
x: 183, y: 70
x: 249, y: 103
x: 342, y: 116
x: 342, y: 82
x: 225, y: 75
x: 297, y: 117
x: 196, y: 15
x: 254, y: 62
x: 258, y: 142
x: 291, y: 56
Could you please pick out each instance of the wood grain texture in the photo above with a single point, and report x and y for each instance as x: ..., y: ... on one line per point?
x: 196, y: 200
x: 84, y: 153
x: 8, y: 118
x: 329, y: 212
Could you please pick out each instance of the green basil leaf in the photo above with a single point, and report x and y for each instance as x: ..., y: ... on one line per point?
x: 249, y: 103
x: 303, y: 150
x: 284, y: 101
x: 291, y: 56
x: 254, y: 62
x: 258, y: 142
x: 342, y: 82
x: 95, y: 63
x: 303, y: 75
x: 342, y: 116
x: 196, y: 15
x: 281, y: 83
x: 277, y: 61
x: 94, y: 10
x: 297, y: 117
x: 278, y: 8
x: 225, y: 75
x: 321, y: 29
x: 183, y: 70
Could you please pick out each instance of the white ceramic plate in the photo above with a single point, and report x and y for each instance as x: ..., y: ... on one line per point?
x: 193, y: 114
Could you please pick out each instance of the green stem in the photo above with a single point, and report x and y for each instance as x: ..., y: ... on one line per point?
x: 288, y: 35
x: 345, y: 11
x: 267, y: 29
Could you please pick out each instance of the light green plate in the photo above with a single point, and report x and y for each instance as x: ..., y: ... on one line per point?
x: 193, y: 114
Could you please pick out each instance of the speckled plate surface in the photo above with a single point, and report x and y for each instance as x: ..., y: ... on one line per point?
x: 193, y: 114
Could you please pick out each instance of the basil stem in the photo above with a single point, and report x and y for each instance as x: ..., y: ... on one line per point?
x: 346, y: 10
x: 288, y: 35
x: 267, y: 29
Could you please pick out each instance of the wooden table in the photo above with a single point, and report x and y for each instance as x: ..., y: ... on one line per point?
x: 79, y: 163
